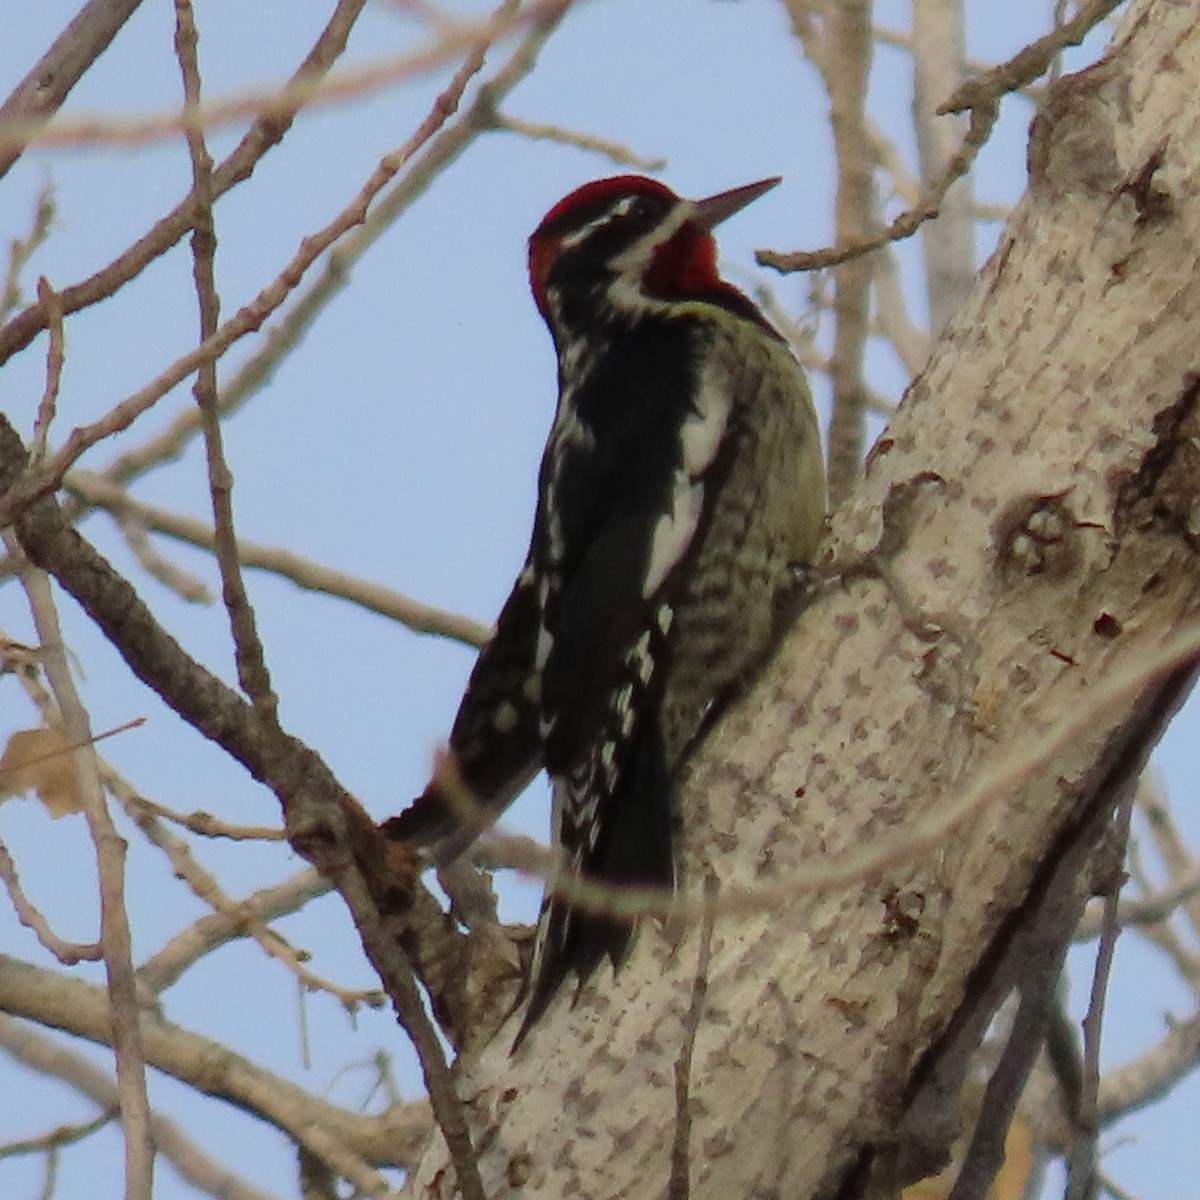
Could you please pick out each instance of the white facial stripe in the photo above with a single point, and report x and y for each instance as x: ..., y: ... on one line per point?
x: 617, y: 211
x: 634, y: 258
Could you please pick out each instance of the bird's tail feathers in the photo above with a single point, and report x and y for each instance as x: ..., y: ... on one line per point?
x: 636, y: 851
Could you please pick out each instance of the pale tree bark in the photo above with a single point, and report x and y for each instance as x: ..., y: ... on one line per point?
x: 927, y: 766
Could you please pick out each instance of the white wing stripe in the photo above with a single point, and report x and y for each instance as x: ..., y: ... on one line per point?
x: 673, y: 532
x: 700, y: 437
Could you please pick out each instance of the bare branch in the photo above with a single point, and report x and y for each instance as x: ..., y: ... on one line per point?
x: 303, y: 91
x: 202, y: 823
x: 1081, y: 1166
x: 253, y: 676
x: 21, y: 250
x: 81, y: 1009
x: 911, y: 343
x: 267, y: 131
x: 67, y: 953
x: 982, y: 97
x: 441, y: 151
x: 64, y: 1135
x: 46, y: 86
x: 619, y: 153
x: 158, y: 566
x: 1152, y: 1075
x: 1150, y: 909
x: 205, y: 935
x: 845, y: 68
x: 55, y: 355
x: 46, y: 478
x: 948, y: 240
x: 47, y: 1057
x: 679, y: 1184
x: 1032, y: 61
x: 96, y: 492
x: 115, y: 940
x: 324, y: 822
x: 204, y: 886
x: 1170, y: 844
x: 903, y: 40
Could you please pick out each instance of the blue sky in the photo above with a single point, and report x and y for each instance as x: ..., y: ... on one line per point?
x: 400, y: 442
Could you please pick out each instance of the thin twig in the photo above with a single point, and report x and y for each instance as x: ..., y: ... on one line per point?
x: 983, y: 119
x: 96, y: 492
x: 274, y: 1100
x: 1032, y: 61
x: 1169, y: 842
x: 981, y: 96
x: 63, y: 1135
x: 905, y: 186
x: 1081, y: 1165
x: 55, y: 356
x: 903, y: 40
x: 1151, y: 1075
x: 617, y: 152
x: 397, y: 975
x: 1150, y: 909
x: 204, y: 886
x: 1110, y: 1185
x: 199, y: 939
x: 20, y: 250
x: 679, y: 1184
x: 324, y: 822
x: 252, y: 670
x: 998, y: 213
x: 265, y: 133
x: 351, y: 84
x: 206, y: 825
x: 360, y: 1140
x: 1060, y: 15
x: 911, y: 343
x: 158, y: 566
x: 439, y: 153
x: 249, y: 318
x: 67, y: 953
x: 441, y: 147
x: 46, y: 478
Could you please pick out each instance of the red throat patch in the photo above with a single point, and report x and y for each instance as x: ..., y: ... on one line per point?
x: 684, y: 265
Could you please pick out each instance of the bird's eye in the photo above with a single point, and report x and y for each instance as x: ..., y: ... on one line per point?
x: 640, y: 208
x: 632, y: 208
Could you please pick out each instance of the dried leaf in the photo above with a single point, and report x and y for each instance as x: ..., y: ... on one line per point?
x: 40, y: 760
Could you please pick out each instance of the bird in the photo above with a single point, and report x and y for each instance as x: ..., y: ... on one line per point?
x: 681, y: 485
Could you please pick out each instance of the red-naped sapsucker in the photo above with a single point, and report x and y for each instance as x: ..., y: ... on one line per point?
x: 681, y: 480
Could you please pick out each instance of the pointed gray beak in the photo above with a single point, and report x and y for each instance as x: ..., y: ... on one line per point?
x: 713, y: 210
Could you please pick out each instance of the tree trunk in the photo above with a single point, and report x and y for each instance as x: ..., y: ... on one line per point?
x: 928, y: 753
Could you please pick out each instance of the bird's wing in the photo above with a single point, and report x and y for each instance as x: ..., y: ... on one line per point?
x: 495, y: 743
